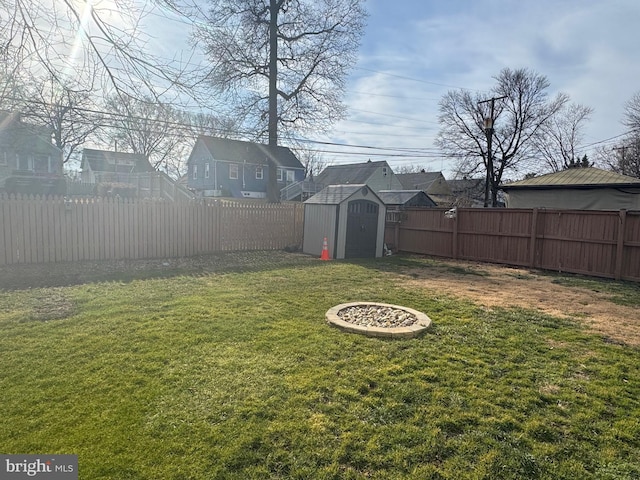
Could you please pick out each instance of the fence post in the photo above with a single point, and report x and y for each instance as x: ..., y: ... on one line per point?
x: 534, y: 235
x: 620, y: 245
x: 454, y: 243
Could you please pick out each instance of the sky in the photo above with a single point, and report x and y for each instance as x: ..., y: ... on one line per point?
x: 414, y: 51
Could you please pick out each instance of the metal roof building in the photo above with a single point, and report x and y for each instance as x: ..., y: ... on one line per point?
x: 575, y: 189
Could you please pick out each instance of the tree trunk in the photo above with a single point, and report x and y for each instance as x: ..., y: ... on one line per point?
x: 273, y: 195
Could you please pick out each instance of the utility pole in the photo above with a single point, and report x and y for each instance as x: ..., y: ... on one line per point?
x: 488, y: 130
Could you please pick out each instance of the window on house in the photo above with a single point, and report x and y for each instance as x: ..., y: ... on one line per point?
x: 41, y: 163
x: 280, y: 175
x: 3, y: 159
x: 259, y: 173
x: 290, y: 176
x: 24, y: 162
x: 206, y: 170
x: 233, y: 171
x: 195, y: 172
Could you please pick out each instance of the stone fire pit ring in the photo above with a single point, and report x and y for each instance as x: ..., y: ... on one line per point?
x: 362, y: 317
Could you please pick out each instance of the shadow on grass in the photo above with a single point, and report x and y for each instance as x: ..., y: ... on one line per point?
x: 25, y: 276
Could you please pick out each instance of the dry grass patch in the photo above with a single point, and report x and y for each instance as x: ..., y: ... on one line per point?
x: 588, y: 301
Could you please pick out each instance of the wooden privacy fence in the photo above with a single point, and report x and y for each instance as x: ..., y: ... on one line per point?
x: 42, y: 230
x: 598, y: 243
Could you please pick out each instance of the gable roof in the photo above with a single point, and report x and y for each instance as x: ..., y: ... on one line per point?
x: 106, y: 161
x: 336, y: 194
x: 589, y: 177
x: 14, y: 133
x: 401, y: 197
x: 418, y: 181
x: 230, y: 150
x: 356, y: 173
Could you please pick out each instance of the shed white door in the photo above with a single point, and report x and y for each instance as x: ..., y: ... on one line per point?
x: 362, y: 229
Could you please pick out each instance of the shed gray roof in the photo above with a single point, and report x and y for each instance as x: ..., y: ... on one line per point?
x: 589, y: 177
x: 336, y: 194
x: 357, y: 173
x: 400, y: 197
x: 239, y: 150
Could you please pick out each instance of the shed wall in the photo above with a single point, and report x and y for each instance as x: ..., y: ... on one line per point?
x: 319, y: 222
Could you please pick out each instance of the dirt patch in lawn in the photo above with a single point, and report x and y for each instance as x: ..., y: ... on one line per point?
x: 501, y: 286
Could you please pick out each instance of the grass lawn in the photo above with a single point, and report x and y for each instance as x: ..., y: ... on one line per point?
x: 236, y: 375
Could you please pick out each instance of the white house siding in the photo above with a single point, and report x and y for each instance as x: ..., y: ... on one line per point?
x: 379, y: 181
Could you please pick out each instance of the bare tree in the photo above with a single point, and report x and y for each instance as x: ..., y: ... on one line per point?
x: 495, y: 137
x: 146, y: 127
x: 631, y: 117
x: 282, y: 63
x: 561, y: 135
x: 69, y: 114
x: 80, y: 41
x: 624, y: 159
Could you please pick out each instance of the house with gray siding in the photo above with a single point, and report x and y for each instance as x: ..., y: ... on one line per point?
x: 221, y: 167
x: 376, y: 175
x: 29, y: 162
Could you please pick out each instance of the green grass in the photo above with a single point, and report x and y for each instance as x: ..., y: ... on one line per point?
x: 236, y: 375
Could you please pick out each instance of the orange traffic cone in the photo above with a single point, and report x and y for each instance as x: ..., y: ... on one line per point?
x: 325, y: 250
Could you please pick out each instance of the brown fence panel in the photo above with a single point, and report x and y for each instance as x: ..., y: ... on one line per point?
x: 630, y: 262
x: 578, y: 241
x: 598, y: 243
x: 501, y: 236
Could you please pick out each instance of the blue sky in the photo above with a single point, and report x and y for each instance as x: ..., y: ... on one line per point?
x: 414, y: 51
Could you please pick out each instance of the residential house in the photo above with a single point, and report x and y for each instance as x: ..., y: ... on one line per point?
x: 376, y: 175
x: 29, y: 162
x: 127, y: 175
x: 432, y: 183
x: 221, y: 167
x: 102, y: 166
x: 576, y: 189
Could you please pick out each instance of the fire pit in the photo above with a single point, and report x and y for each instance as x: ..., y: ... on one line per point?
x: 378, y: 319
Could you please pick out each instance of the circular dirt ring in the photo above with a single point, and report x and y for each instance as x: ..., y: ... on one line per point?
x: 361, y: 317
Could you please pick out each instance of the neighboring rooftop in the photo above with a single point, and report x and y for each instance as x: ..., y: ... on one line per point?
x: 356, y: 173
x: 108, y: 161
x: 257, y: 153
x: 575, y: 177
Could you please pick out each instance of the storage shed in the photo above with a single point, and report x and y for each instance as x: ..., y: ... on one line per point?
x: 350, y: 217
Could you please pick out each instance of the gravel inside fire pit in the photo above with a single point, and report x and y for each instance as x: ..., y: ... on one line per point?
x: 377, y: 316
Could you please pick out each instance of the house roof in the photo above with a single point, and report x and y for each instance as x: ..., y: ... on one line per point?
x: 257, y: 153
x: 356, y: 173
x: 15, y: 133
x: 419, y: 181
x: 106, y: 161
x: 336, y: 194
x: 589, y: 177
x: 400, y: 197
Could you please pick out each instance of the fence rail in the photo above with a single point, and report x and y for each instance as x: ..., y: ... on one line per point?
x: 598, y: 243
x: 55, y: 229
